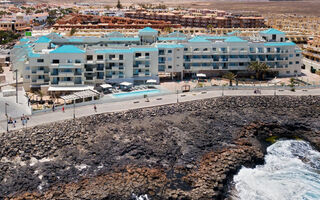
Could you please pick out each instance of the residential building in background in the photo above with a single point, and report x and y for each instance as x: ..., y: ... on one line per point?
x: 105, y: 22
x: 202, y: 18
x: 57, y: 63
x: 311, y: 54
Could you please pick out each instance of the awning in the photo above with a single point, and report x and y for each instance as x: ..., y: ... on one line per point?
x: 201, y: 75
x: 104, y: 86
x: 81, y: 95
x: 151, y: 81
x: 125, y: 83
x: 57, y: 89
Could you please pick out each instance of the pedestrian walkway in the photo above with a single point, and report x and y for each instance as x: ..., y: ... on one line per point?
x: 59, y: 115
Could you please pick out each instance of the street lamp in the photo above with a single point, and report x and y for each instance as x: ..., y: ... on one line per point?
x: 5, y: 106
x: 16, y: 71
x: 74, y: 108
x: 222, y: 90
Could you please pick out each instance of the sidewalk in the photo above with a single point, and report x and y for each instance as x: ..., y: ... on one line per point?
x: 58, y: 115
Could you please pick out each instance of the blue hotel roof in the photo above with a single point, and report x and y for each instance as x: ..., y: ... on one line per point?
x: 148, y: 30
x: 272, y: 31
x: 171, y: 38
x: 67, y: 49
x: 33, y: 55
x: 198, y: 39
x: 75, y: 40
x: 24, y: 40
x: 132, y: 50
x: 43, y: 39
x: 144, y: 49
x: 234, y: 39
x: 279, y: 44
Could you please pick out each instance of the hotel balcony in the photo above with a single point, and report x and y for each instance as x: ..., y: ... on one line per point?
x: 66, y: 83
x: 66, y: 74
x: 142, y: 58
x: 40, y: 81
x: 90, y: 61
x: 93, y: 70
x: 54, y: 64
x: 100, y: 61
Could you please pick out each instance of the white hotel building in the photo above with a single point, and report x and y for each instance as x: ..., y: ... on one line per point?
x: 59, y: 63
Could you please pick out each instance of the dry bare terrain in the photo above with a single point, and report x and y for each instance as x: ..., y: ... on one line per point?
x: 307, y: 7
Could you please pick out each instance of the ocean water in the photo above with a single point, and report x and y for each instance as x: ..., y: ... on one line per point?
x: 291, y: 172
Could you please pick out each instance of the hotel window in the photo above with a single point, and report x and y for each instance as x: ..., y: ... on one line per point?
x: 169, y: 59
x: 297, y: 55
x: 111, y: 57
x: 196, y: 49
x: 290, y: 55
x: 138, y: 55
x: 77, y: 61
x: 205, y: 49
x: 170, y: 51
x: 290, y: 63
x: 297, y: 62
x: 288, y: 72
x: 120, y: 57
x: 69, y: 61
x: 214, y: 49
x: 55, y: 61
x: 169, y: 67
x: 89, y: 57
x: 161, y: 68
x: 147, y: 54
x: 40, y: 60
x: 99, y: 57
x: 185, y: 49
x: 161, y: 52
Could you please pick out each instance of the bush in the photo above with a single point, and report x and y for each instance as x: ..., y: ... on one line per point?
x: 312, y: 70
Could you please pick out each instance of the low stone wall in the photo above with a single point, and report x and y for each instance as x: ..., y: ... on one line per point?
x: 187, y: 150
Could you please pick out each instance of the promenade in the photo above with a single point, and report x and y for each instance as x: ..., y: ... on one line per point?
x: 58, y: 115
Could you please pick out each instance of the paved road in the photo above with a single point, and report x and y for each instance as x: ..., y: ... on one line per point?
x: 58, y: 115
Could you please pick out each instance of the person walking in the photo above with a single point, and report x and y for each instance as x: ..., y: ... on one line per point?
x: 14, y: 123
x: 95, y: 108
x: 22, y: 119
x: 62, y: 108
x: 53, y: 106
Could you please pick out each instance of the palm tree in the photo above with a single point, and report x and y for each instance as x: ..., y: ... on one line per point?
x: 209, y: 27
x: 167, y: 29
x: 230, y: 76
x: 292, y: 84
x: 40, y: 93
x: 259, y: 68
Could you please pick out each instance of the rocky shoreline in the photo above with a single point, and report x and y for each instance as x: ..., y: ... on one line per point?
x: 181, y: 151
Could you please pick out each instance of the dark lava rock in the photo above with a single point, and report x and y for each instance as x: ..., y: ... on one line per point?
x: 181, y: 151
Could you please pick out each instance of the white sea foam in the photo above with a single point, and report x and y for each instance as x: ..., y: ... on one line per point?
x: 291, y: 171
